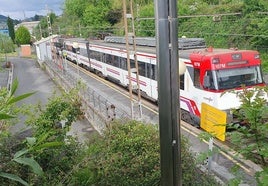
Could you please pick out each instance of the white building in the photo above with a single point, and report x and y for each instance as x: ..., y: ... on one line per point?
x: 43, y: 49
x: 29, y: 25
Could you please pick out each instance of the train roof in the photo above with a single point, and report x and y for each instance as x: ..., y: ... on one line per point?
x: 148, y: 44
x: 139, y: 48
x: 183, y: 43
x: 187, y: 46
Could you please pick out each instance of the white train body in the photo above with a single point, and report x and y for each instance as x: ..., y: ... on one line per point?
x: 209, y: 72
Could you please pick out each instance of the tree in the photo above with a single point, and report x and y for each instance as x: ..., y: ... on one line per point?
x: 146, y: 27
x: 22, y: 36
x: 11, y: 29
x: 114, y: 16
x: 95, y: 17
x: 37, y: 17
x: 6, y: 44
x: 252, y: 6
x: 43, y: 26
x: 76, y: 7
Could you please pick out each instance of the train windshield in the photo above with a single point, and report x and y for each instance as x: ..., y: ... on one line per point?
x: 233, y: 78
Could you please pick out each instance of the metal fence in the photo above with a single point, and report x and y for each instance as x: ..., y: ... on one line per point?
x: 97, y: 109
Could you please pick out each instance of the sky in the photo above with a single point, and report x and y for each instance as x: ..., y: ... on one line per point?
x: 20, y: 9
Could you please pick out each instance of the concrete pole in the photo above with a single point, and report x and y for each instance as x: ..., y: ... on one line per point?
x: 167, y: 61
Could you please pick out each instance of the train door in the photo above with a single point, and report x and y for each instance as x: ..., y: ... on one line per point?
x: 124, y: 74
x: 190, y: 95
x: 153, y: 80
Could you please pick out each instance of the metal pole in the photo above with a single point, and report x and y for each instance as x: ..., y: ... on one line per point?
x: 128, y: 59
x: 169, y: 122
x: 210, y: 147
x: 135, y: 59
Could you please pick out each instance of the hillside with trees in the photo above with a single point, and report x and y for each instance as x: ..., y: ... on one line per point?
x: 222, y: 23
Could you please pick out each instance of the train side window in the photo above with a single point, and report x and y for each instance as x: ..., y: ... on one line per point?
x: 95, y: 55
x: 83, y: 52
x: 132, y: 63
x: 103, y: 57
x: 197, y: 78
x: 181, y: 77
x: 141, y: 68
x: 148, y: 70
x: 108, y: 59
x: 123, y: 63
x: 208, y: 80
x: 115, y: 61
x: 153, y: 72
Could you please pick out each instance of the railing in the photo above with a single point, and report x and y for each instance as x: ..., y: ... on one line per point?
x: 97, y: 109
x: 10, y: 77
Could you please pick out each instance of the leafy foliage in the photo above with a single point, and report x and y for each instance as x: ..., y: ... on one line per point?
x: 22, y: 36
x: 129, y: 154
x: 11, y: 31
x: 7, y: 107
x: 243, y: 23
x: 44, y: 26
x: 250, y: 140
x: 7, y: 102
x: 6, y: 44
x: 146, y: 27
x: 53, y: 150
x: 49, y: 151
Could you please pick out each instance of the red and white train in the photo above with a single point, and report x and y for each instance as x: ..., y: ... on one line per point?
x: 209, y: 71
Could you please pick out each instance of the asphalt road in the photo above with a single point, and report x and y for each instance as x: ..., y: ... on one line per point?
x: 31, y: 79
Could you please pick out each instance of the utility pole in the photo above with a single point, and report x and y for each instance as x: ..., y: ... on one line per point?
x: 168, y: 91
x: 40, y: 29
x: 49, y: 24
x: 132, y: 52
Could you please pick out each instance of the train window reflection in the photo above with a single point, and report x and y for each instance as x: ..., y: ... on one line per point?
x: 233, y: 78
x: 123, y: 63
x: 141, y: 68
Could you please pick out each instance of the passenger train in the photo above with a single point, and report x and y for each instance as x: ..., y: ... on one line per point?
x: 209, y: 71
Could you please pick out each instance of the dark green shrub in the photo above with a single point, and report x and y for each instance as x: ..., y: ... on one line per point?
x: 129, y: 154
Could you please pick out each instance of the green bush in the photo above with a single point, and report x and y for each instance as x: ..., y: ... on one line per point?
x: 49, y: 153
x: 129, y: 154
x: 22, y: 36
x: 250, y: 140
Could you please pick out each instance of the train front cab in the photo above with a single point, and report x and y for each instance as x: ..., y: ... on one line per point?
x: 210, y: 77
